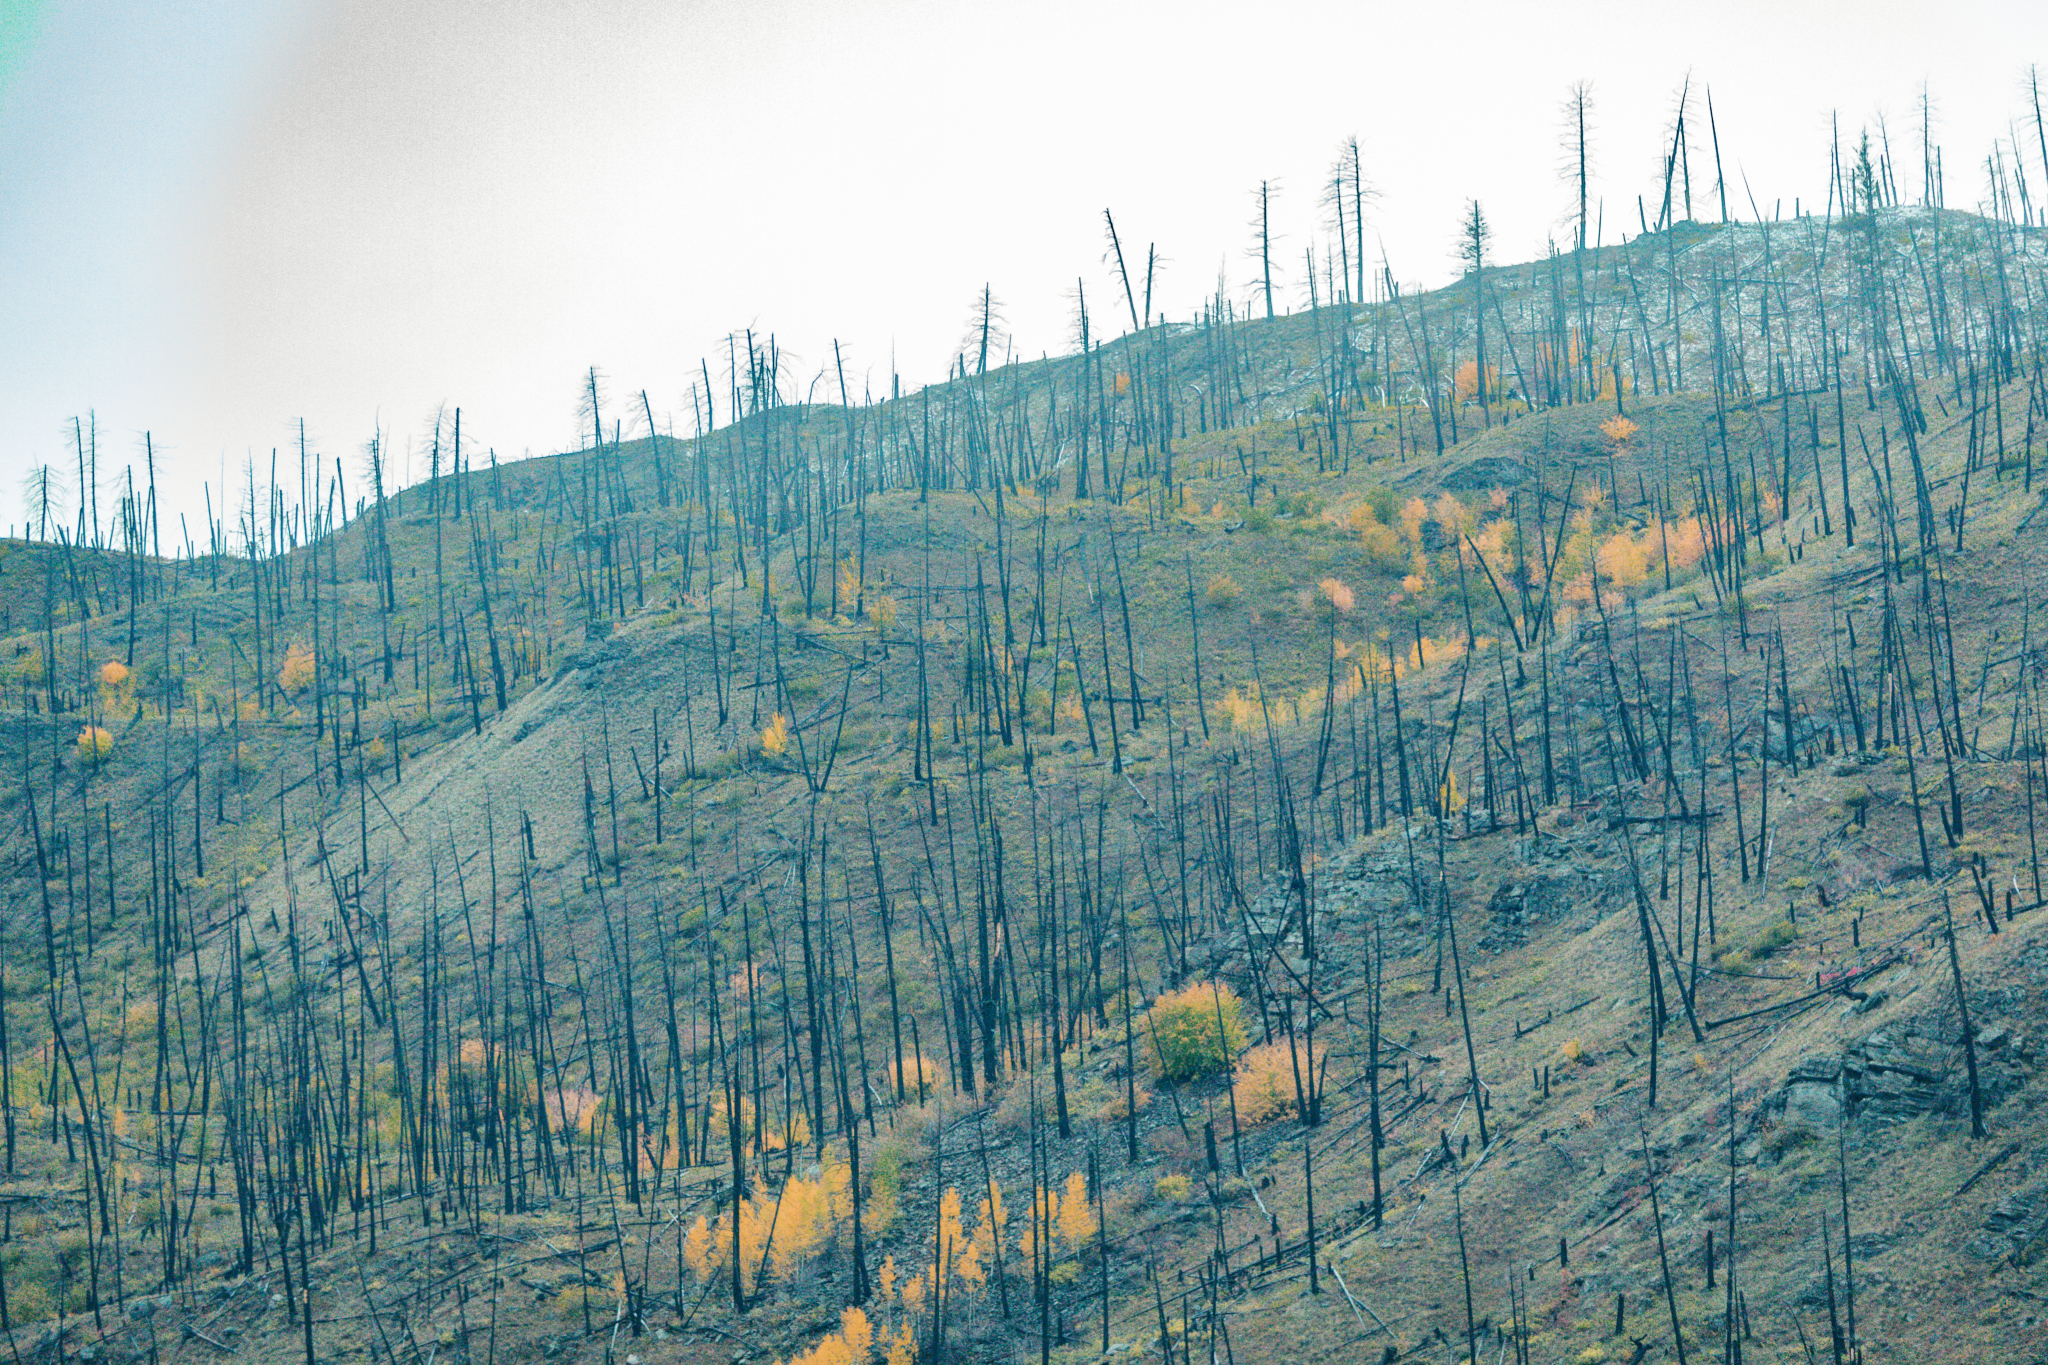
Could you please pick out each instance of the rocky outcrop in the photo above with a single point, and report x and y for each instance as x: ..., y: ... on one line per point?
x: 1879, y: 1077
x: 1489, y: 472
x: 1522, y: 906
x: 1814, y: 1093
x: 1882, y: 1077
x: 2018, y: 1224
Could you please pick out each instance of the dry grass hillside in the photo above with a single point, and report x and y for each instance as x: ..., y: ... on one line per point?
x: 1140, y: 855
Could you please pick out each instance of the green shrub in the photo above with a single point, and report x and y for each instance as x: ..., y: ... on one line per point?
x: 1773, y: 938
x: 29, y: 1303
x: 1194, y: 1032
x: 894, y: 1161
x: 1038, y: 707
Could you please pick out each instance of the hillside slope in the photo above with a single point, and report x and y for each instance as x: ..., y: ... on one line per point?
x: 437, y: 938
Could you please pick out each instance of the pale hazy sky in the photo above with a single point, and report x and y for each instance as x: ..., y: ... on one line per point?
x: 220, y: 216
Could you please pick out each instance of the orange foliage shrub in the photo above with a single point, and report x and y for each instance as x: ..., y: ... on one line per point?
x: 1618, y: 429
x: 573, y: 1107
x: 982, y: 1248
x: 1453, y: 516
x: 1335, y: 595
x: 1418, y: 579
x: 847, y: 1346
x: 1370, y: 664
x: 1075, y: 1221
x: 297, y: 672
x: 805, y: 1214
x: 1686, y: 543
x: 1492, y: 540
x: 708, y: 1247
x: 1467, y: 382
x: 747, y: 982
x: 914, y: 1073
x: 1263, y: 1084
x: 958, y: 1257
x: 1382, y: 547
x: 1240, y: 710
x: 1413, y: 513
x: 963, y: 1262
x: 95, y: 743
x: 1247, y: 709
x: 1623, y: 562
x: 1067, y: 1213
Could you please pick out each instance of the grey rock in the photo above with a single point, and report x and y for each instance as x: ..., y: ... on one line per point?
x: 1816, y: 1104
x: 1496, y: 471
x: 2020, y: 1220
